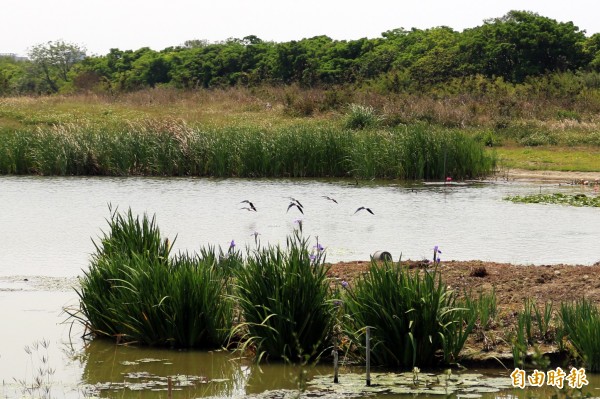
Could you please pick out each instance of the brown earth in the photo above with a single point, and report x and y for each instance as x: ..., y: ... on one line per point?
x: 511, y: 284
x: 549, y: 175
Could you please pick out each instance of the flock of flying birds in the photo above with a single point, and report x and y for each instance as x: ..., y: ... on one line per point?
x: 294, y: 203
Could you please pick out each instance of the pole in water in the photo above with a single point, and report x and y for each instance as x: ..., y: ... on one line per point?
x: 335, y: 366
x: 368, y: 356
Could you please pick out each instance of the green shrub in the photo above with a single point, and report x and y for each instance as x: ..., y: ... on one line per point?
x: 362, y: 117
x: 537, y: 138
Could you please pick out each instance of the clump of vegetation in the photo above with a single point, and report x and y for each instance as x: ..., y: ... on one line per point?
x: 557, y: 198
x: 362, y: 117
x: 580, y: 324
x: 172, y: 148
x: 284, y: 296
x: 534, y: 327
x: 135, y: 292
x: 413, y: 317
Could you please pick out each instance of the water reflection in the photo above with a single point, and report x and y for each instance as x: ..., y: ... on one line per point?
x: 109, y: 368
x: 128, y: 372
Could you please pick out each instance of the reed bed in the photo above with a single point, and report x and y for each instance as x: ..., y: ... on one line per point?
x: 172, y: 148
x: 413, y: 316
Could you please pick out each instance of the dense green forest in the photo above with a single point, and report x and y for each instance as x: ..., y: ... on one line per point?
x: 519, y: 47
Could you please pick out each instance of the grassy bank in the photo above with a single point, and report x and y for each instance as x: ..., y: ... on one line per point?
x: 527, y: 130
x: 558, y: 158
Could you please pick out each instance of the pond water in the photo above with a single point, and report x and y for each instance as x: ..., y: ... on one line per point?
x: 47, y: 226
x: 48, y: 223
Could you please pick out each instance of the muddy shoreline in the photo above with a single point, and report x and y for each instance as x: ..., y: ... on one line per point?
x: 549, y: 176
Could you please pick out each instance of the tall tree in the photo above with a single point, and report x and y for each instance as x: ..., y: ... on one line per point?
x: 54, y: 60
x: 522, y: 44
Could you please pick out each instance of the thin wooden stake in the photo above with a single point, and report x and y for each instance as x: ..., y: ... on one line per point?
x: 368, y: 356
x: 335, y: 366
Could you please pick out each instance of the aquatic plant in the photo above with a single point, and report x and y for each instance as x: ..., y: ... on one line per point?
x: 557, y: 198
x: 412, y: 315
x: 428, y: 384
x: 172, y: 148
x: 284, y: 297
x: 525, y: 336
x: 580, y: 323
x: 40, y: 384
x: 484, y: 307
x: 135, y: 292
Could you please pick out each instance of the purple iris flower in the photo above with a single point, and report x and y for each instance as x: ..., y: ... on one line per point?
x: 345, y: 284
x: 436, y: 251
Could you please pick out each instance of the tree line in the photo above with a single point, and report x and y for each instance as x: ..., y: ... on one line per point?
x: 515, y: 47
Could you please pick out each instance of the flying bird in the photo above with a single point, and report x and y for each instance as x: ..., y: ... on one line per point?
x: 329, y: 198
x: 366, y: 209
x: 296, y: 201
x: 296, y: 205
x: 252, y: 207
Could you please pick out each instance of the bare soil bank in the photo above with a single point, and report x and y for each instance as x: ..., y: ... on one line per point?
x: 512, y: 284
x: 549, y: 175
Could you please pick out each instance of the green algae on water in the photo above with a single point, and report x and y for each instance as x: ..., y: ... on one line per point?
x: 557, y: 198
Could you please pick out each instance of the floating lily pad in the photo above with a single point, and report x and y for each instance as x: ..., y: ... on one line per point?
x: 409, y: 383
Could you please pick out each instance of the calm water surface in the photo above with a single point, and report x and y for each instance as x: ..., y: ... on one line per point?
x: 48, y: 223
x: 101, y: 369
x: 47, y: 226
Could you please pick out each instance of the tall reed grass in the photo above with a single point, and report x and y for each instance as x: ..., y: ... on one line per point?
x: 415, y: 319
x: 285, y: 300
x: 172, y: 148
x: 134, y: 291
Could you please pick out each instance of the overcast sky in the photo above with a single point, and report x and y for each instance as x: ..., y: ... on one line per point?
x: 100, y: 25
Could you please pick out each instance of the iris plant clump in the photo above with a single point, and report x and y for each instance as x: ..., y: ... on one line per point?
x: 415, y: 320
x: 285, y: 298
x: 135, y: 291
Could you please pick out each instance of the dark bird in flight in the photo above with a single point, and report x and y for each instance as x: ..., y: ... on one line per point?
x: 296, y: 205
x: 366, y: 209
x: 329, y: 198
x: 294, y: 200
x: 252, y: 207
